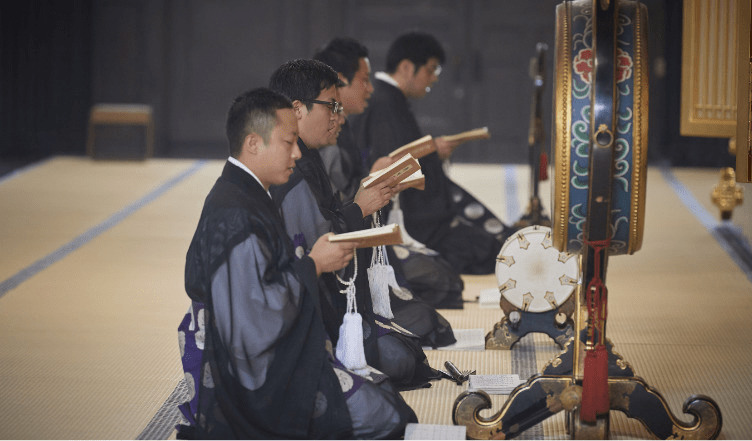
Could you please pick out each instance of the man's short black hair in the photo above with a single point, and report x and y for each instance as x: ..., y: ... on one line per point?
x: 303, y: 80
x: 255, y: 111
x: 416, y: 47
x: 343, y: 54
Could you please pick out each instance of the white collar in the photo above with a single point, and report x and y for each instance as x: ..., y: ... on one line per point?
x: 385, y: 77
x: 247, y: 170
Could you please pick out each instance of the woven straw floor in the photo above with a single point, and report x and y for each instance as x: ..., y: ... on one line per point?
x: 91, y: 293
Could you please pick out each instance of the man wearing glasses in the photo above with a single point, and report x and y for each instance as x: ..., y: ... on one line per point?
x: 320, y: 117
x: 310, y: 210
x: 444, y: 216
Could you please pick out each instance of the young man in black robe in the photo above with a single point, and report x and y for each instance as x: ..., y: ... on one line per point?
x: 267, y: 368
x: 444, y: 217
x: 311, y: 210
x: 424, y: 271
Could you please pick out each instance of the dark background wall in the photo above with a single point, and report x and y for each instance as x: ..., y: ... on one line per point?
x: 45, y: 77
x: 189, y: 58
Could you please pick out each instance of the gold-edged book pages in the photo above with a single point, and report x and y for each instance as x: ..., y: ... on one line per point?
x: 402, y: 169
x: 372, y: 237
x: 418, y: 148
x: 470, y: 135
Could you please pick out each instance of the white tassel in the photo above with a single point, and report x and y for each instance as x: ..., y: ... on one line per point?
x: 350, y: 349
x: 380, y: 278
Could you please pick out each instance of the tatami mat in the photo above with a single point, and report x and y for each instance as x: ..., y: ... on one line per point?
x: 90, y: 345
x: 97, y: 248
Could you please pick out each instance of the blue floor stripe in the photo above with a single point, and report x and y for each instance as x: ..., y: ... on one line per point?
x: 41, y: 264
x: 512, y: 200
x: 27, y: 168
x: 524, y: 364
x: 729, y: 236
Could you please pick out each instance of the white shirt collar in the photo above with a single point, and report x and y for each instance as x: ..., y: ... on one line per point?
x: 247, y: 170
x: 385, y: 77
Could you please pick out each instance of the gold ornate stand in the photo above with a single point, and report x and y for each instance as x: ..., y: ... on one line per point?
x: 559, y: 388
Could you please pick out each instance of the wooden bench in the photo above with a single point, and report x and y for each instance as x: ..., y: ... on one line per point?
x: 121, y: 114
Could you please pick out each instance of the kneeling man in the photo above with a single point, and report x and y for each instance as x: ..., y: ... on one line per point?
x: 267, y: 368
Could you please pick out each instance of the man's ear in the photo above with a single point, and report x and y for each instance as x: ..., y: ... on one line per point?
x: 343, y: 79
x: 252, y: 143
x: 300, y: 109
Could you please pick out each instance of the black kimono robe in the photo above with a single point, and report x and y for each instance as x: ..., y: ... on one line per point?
x: 267, y: 369
x: 310, y: 210
x: 426, y: 273
x: 444, y: 217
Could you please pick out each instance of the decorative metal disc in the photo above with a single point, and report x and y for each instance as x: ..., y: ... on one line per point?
x: 532, y: 274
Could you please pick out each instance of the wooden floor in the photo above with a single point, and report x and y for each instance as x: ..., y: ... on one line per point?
x: 91, y: 294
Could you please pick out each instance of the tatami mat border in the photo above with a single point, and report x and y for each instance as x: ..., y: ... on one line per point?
x: 19, y: 171
x: 163, y: 423
x: 512, y: 200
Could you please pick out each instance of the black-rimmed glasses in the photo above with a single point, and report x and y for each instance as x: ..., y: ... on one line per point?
x: 333, y: 105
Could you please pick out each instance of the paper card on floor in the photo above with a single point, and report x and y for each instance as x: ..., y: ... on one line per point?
x: 489, y: 298
x: 494, y: 384
x: 467, y: 340
x: 434, y: 431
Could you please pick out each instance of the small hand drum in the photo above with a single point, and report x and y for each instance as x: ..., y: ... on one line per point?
x: 534, y: 276
x: 572, y: 132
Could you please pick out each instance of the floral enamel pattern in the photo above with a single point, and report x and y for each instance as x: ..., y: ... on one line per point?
x: 583, y: 65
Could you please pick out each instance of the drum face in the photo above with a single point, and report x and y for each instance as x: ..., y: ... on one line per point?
x: 572, y: 126
x: 533, y: 275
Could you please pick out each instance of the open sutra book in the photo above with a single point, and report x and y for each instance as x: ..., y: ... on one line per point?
x: 371, y: 237
x: 402, y: 169
x: 425, y: 145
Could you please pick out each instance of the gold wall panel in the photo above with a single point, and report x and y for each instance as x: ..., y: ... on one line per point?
x: 709, y: 66
x: 744, y: 93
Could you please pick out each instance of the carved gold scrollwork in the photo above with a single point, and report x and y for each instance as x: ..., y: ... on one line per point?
x: 638, y: 400
x: 550, y: 395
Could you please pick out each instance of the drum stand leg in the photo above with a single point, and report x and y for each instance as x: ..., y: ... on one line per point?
x: 530, y: 403
x: 557, y: 390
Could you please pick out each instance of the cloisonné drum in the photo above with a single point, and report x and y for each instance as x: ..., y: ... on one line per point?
x: 572, y: 126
